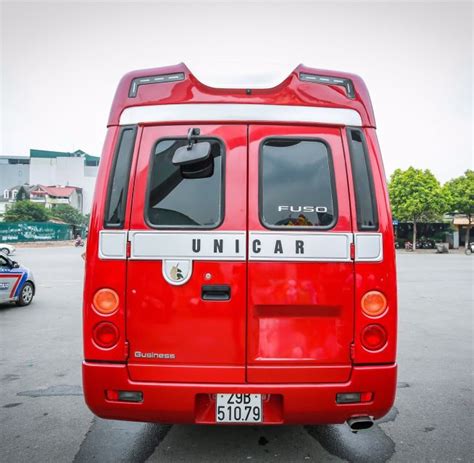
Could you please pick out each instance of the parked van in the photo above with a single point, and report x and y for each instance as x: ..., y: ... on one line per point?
x: 240, y: 262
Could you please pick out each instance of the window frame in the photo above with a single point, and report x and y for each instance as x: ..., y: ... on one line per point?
x: 222, y: 189
x: 332, y: 183
x: 370, y: 176
x: 121, y: 224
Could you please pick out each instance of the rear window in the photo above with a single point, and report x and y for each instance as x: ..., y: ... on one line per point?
x: 296, y: 184
x: 366, y: 206
x: 177, y: 201
x: 119, y: 178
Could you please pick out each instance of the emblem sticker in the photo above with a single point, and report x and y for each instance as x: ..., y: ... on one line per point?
x: 177, y: 272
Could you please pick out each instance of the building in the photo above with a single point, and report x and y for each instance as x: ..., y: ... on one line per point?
x: 58, y: 168
x: 49, y: 196
x: 14, y: 170
x: 461, y: 222
x: 77, y: 169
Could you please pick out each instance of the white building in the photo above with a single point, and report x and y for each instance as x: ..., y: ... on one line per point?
x: 76, y: 169
x: 14, y: 170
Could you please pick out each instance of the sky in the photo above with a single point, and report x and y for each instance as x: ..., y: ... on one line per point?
x: 61, y: 63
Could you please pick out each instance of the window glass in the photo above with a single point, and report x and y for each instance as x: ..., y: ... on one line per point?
x: 366, y: 205
x: 118, y: 184
x: 296, y: 184
x: 179, y: 200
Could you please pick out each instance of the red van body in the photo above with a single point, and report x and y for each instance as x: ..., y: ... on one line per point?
x: 253, y: 285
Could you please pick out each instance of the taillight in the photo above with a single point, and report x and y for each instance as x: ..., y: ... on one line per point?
x: 106, y: 335
x: 353, y: 397
x: 374, y: 303
x: 124, y: 396
x: 105, y: 301
x: 374, y: 337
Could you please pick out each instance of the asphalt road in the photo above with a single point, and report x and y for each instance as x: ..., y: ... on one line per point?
x: 43, y: 417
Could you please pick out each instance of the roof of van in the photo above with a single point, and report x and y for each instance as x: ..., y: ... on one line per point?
x: 303, y: 87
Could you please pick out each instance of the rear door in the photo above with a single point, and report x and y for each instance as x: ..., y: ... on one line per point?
x: 300, y: 272
x: 186, y: 274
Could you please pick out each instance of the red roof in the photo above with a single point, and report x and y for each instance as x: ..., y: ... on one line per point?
x: 61, y: 191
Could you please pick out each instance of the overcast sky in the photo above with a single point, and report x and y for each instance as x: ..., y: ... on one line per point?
x: 61, y: 63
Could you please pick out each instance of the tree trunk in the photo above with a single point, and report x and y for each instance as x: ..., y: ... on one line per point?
x: 414, y: 235
x: 468, y: 230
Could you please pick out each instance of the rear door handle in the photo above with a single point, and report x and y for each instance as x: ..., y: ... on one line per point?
x: 215, y: 292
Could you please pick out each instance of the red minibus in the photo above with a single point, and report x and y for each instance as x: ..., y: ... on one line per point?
x: 240, y: 263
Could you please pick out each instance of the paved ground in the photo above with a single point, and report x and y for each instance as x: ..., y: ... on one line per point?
x: 43, y: 417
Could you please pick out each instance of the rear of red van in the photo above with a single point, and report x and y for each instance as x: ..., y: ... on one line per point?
x: 240, y: 263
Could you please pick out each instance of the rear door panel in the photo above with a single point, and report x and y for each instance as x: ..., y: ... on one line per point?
x: 300, y: 305
x: 173, y: 333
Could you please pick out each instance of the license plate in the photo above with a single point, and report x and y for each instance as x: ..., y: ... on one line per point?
x: 239, y: 408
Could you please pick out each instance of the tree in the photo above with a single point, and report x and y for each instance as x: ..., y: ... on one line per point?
x: 459, y: 193
x: 26, y: 211
x: 67, y: 214
x: 416, y: 196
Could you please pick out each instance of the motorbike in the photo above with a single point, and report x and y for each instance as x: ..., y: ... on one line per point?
x: 425, y: 244
x: 79, y: 242
x: 470, y: 249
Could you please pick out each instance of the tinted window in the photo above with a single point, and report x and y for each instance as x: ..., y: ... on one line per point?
x: 178, y: 200
x: 366, y: 205
x: 118, y: 183
x: 296, y: 188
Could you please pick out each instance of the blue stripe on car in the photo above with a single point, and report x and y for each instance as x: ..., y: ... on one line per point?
x: 20, y: 285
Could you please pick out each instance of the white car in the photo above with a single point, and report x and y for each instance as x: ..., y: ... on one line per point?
x: 7, y: 249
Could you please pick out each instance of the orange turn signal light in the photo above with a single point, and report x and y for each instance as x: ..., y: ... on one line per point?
x: 105, y: 301
x: 374, y: 303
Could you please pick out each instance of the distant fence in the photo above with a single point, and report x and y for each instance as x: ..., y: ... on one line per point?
x: 11, y: 232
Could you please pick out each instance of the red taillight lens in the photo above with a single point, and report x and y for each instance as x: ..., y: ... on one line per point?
x: 374, y: 337
x: 374, y: 303
x: 353, y: 397
x: 106, y: 335
x: 124, y: 396
x: 106, y: 301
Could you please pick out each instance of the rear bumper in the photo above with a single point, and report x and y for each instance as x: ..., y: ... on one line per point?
x: 194, y: 402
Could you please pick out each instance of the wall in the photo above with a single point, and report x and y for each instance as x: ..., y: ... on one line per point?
x: 12, y: 175
x: 34, y: 231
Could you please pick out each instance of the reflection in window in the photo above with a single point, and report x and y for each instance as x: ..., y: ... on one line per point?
x: 366, y: 205
x: 177, y: 200
x: 118, y: 188
x: 296, y: 184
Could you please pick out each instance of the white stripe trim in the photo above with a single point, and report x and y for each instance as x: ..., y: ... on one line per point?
x: 178, y: 244
x: 240, y: 112
x: 112, y: 244
x: 189, y: 245
x: 315, y: 247
x: 368, y: 247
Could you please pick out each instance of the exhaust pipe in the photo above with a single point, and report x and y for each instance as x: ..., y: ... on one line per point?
x: 359, y: 423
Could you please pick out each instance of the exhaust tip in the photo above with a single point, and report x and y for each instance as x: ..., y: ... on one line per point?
x: 360, y: 423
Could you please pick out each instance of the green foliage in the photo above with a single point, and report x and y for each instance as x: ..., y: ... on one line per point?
x: 416, y: 195
x: 67, y: 214
x: 26, y: 211
x: 459, y: 193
